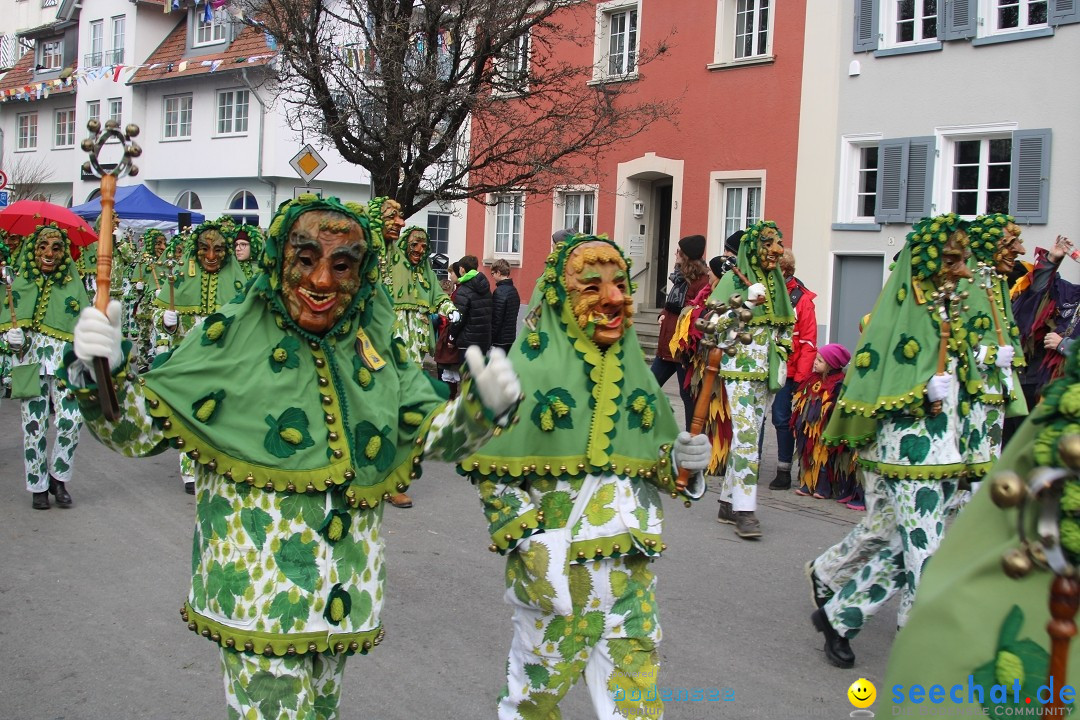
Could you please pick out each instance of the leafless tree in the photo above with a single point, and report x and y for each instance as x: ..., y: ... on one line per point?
x: 446, y: 100
x: 27, y: 176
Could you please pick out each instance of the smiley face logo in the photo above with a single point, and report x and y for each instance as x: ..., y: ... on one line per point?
x: 862, y: 693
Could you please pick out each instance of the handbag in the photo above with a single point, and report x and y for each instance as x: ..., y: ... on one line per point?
x: 556, y: 573
x: 26, y: 381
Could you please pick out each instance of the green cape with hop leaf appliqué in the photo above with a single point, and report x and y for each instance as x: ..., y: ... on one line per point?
x: 585, y: 410
x: 48, y: 304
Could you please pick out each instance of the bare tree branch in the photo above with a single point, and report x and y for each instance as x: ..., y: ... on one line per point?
x: 418, y: 92
x: 27, y: 176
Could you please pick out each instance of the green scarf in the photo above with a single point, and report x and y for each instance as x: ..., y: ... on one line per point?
x: 48, y: 304
x: 897, y: 352
x: 414, y: 287
x: 362, y: 436
x: 586, y: 410
x: 777, y: 309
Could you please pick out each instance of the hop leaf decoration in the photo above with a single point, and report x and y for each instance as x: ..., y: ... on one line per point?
x: 375, y: 444
x: 205, y: 407
x: 1069, y: 404
x: 285, y: 354
x: 363, y: 376
x: 410, y: 418
x: 866, y: 359
x: 641, y: 407
x: 552, y: 410
x: 906, y: 350
x: 71, y: 306
x: 215, y: 328
x: 336, y: 525
x: 338, y: 605
x: 401, y: 353
x: 534, y: 343
x: 927, y: 240
x: 288, y: 433
x: 979, y: 323
x: 901, y: 294
x: 1016, y: 661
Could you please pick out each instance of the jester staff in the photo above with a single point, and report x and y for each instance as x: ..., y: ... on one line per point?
x: 947, y: 301
x: 987, y: 276
x: 721, y: 326
x: 106, y: 390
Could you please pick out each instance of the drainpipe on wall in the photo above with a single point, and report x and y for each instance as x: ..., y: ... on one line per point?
x: 262, y: 127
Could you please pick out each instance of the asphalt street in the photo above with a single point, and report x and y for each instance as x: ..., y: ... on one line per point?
x: 90, y: 600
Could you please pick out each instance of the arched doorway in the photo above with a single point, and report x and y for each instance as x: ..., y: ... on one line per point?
x: 244, y: 200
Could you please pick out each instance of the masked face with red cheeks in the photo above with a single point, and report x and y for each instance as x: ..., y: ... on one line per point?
x: 48, y: 251
x: 393, y: 221
x: 1010, y: 247
x: 954, y: 257
x: 770, y: 249
x: 321, y: 269
x: 417, y: 247
x: 211, y: 250
x: 598, y: 289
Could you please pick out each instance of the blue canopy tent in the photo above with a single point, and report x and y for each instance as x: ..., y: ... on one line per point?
x: 138, y: 208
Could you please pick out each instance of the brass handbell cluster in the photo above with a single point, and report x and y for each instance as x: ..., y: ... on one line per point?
x: 724, y: 324
x: 1039, y: 495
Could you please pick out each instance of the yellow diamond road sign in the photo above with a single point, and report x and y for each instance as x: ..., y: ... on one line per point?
x: 308, y: 163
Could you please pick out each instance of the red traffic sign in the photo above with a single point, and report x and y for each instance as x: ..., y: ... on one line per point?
x: 3, y: 179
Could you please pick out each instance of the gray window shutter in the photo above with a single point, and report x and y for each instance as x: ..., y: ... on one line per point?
x: 920, y: 177
x: 891, y: 179
x: 1029, y: 191
x: 959, y: 19
x: 866, y: 25
x: 1063, y: 12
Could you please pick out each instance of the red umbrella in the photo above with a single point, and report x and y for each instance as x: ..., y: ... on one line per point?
x: 24, y: 217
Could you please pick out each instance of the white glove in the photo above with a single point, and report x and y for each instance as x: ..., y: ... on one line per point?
x: 938, y: 387
x: 170, y: 319
x: 496, y: 382
x: 99, y: 336
x: 692, y: 452
x: 1005, y: 356
x: 753, y: 294
x: 139, y: 286
x: 16, y: 338
x: 453, y: 316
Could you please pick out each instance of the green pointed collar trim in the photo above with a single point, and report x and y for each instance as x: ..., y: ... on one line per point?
x: 47, y: 304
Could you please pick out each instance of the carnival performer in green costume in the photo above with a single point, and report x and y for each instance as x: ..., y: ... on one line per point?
x: 211, y: 278
x: 416, y: 293
x: 295, y: 456
x: 906, y: 421
x: 149, y: 275
x: 248, y: 245
x: 751, y: 376
x: 596, y: 441
x: 48, y: 294
x: 983, y: 612
x: 386, y: 223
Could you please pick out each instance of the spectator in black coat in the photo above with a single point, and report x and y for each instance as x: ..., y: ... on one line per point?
x: 473, y: 300
x: 505, y: 304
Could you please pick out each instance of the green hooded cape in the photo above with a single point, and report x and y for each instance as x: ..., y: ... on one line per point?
x: 413, y: 287
x: 584, y: 410
x: 197, y: 292
x: 362, y: 433
x: 48, y: 304
x: 897, y: 352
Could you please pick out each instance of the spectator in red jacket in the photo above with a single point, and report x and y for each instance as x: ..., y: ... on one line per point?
x: 800, y: 365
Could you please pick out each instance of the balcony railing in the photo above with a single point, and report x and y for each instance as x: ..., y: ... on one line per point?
x: 101, y: 59
x: 92, y: 60
x: 49, y: 3
x: 114, y: 57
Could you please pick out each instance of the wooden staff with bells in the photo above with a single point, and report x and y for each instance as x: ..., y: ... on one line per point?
x: 98, y: 139
x: 722, y: 325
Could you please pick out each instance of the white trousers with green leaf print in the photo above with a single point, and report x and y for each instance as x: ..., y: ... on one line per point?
x: 611, y: 639
x: 748, y: 400
x: 37, y: 461
x: 904, y: 523
x: 293, y: 687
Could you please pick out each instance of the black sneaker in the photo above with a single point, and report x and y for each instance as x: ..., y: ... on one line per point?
x: 837, y: 650
x: 726, y: 515
x: 819, y: 591
x: 189, y: 487
x: 782, y: 481
x: 747, y: 525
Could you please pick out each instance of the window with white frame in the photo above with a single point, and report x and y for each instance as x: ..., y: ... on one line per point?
x: 1005, y: 16
x: 116, y: 109
x: 93, y: 110
x: 50, y: 54
x: 742, y: 205
x: 616, y: 44
x: 979, y: 174
x: 866, y: 183
x: 97, y: 43
x: 232, y: 112
x: 210, y: 31
x: 189, y: 200
x: 752, y: 23
x: 858, y: 198
x: 177, y: 117
x: 244, y: 200
x: 509, y: 222
x: 116, y: 56
x: 438, y: 229
x: 910, y: 22
x: 65, y: 128
x: 27, y: 138
x: 579, y: 211
x: 512, y: 66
